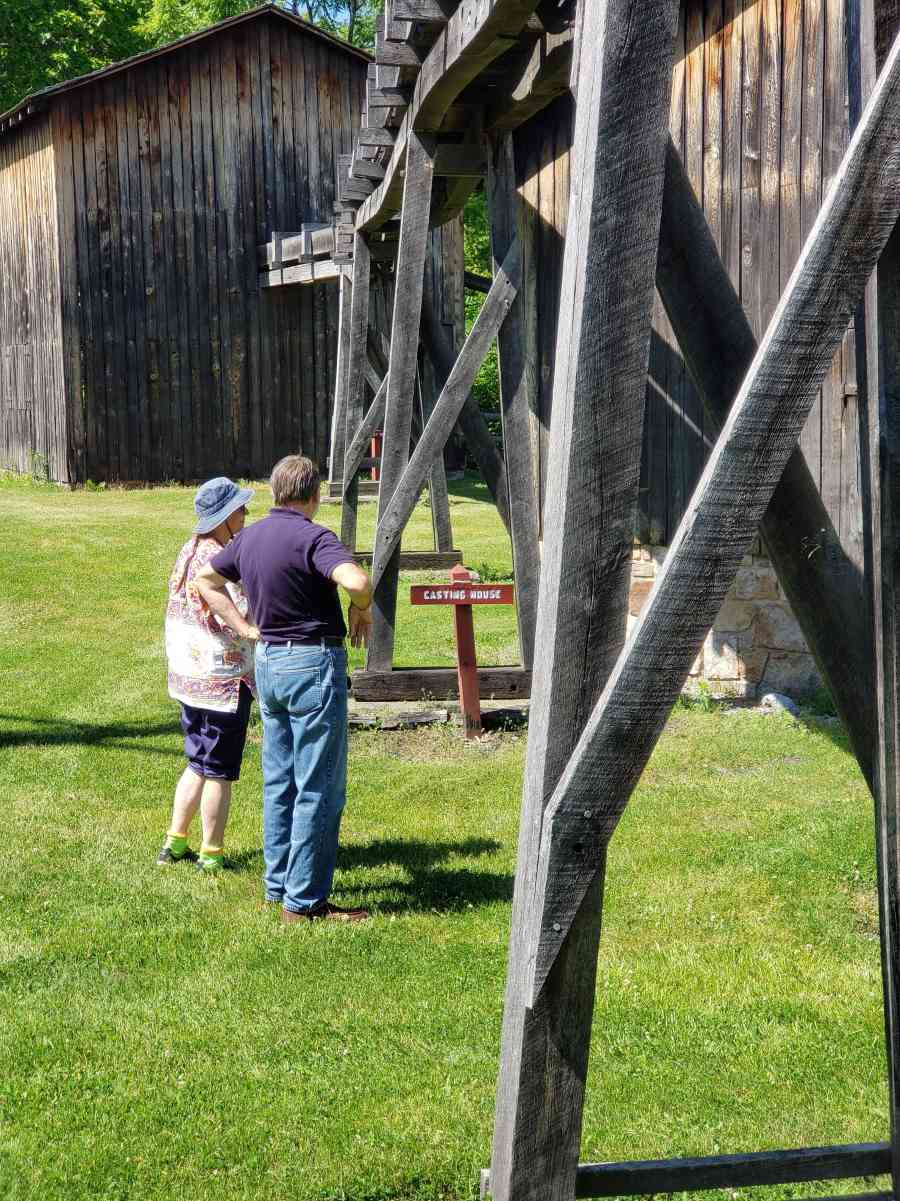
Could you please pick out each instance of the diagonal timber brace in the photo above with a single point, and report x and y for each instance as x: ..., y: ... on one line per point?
x: 728, y: 504
x: 371, y: 421
x: 822, y: 585
x: 471, y: 420
x: 446, y: 411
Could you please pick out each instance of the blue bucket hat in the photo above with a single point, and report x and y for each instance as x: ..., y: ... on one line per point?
x: 216, y: 500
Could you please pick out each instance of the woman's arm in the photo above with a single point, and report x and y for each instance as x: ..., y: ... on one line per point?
x: 214, y: 590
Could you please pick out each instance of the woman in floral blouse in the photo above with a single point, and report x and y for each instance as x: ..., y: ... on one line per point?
x: 211, y: 674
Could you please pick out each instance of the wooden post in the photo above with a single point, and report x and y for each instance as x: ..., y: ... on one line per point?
x: 402, y: 374
x: 602, y: 351
x: 878, y: 375
x: 377, y: 439
x: 852, y: 228
x: 518, y: 399
x: 341, y: 382
x: 437, y: 477
x: 466, y: 663
x: 357, y: 361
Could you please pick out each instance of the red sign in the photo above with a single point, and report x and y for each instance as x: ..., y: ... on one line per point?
x: 462, y: 594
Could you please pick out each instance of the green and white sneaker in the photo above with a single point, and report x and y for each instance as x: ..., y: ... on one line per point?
x: 210, y: 863
x: 175, y: 850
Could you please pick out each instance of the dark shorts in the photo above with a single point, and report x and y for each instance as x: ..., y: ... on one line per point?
x: 214, y: 742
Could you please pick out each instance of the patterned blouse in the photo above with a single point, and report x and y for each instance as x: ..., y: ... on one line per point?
x: 207, y: 660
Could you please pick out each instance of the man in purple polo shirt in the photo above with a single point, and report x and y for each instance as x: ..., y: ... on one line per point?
x: 290, y: 569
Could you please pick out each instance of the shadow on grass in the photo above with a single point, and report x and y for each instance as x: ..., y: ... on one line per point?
x: 422, y: 884
x: 53, y: 731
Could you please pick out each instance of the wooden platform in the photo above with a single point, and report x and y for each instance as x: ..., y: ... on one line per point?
x: 417, y: 683
x: 368, y: 490
x: 417, y: 560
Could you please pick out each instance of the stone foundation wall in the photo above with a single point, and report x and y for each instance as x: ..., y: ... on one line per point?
x: 755, y: 645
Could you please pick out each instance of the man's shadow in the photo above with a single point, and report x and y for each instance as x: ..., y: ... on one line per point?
x: 422, y: 883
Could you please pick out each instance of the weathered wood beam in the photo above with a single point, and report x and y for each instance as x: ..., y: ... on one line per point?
x: 464, y: 47
x: 358, y: 359
x: 417, y: 560
x: 641, y: 1178
x: 413, y: 683
x: 821, y: 584
x: 319, y: 272
x: 342, y: 381
x: 474, y: 428
x: 392, y: 520
x: 438, y: 493
x: 408, y: 287
x: 314, y: 238
x: 398, y: 54
x: 276, y: 252
x: 877, y: 327
x: 720, y: 523
x: 436, y: 12
x: 518, y: 393
x: 623, y: 75
x: 359, y: 445
x: 366, y: 168
x: 477, y: 283
x: 460, y: 159
x: 375, y: 137
x: 545, y: 76
x: 388, y: 98
x: 753, y: 1170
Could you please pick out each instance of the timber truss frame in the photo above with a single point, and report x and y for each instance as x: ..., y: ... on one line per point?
x: 599, y: 703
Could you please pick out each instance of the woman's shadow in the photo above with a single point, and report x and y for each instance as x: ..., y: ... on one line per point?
x: 422, y: 881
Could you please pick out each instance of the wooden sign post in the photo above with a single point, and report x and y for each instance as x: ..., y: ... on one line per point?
x: 463, y: 592
x: 377, y: 442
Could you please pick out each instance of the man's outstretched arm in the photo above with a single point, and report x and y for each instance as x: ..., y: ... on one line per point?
x: 359, y: 615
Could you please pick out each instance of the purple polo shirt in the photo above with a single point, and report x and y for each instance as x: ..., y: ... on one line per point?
x: 284, y: 563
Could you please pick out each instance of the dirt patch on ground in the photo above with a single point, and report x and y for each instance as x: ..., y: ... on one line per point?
x: 430, y: 744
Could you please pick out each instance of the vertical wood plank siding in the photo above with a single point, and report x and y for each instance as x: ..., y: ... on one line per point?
x: 759, y: 114
x: 33, y: 424
x: 162, y: 181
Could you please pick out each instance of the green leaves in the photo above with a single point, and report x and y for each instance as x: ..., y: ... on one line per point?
x: 43, y: 42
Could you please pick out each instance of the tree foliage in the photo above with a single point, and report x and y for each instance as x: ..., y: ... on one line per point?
x: 170, y: 19
x: 166, y: 20
x: 43, y: 42
x: 477, y: 248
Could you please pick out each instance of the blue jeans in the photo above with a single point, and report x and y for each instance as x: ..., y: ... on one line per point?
x: 302, y: 692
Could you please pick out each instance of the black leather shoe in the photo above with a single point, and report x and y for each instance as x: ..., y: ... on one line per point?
x: 326, y: 912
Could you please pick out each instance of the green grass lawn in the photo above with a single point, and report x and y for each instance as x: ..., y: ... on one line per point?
x: 162, y: 1035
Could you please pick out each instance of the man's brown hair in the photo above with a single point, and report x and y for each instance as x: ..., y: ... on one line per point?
x: 294, y: 478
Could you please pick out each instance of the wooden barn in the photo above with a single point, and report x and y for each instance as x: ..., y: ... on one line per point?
x: 135, y: 343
